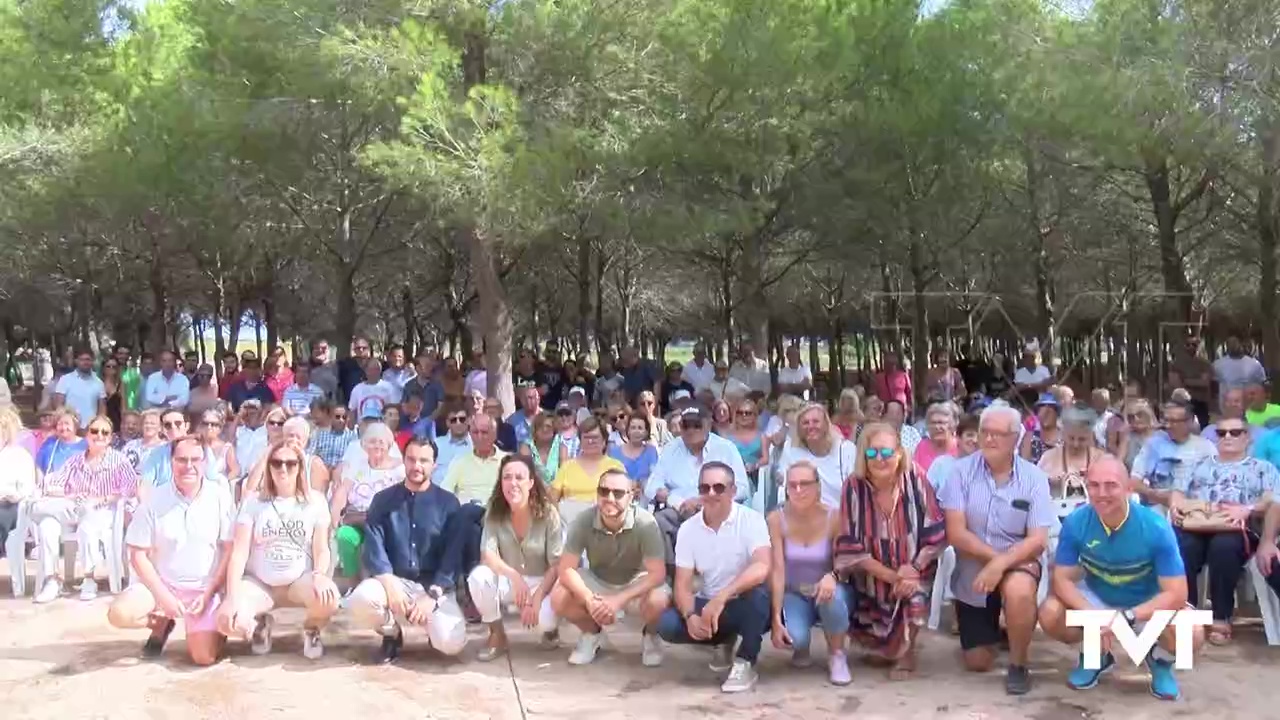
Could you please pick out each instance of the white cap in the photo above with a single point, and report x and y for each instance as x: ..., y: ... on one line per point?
x: 681, y: 395
x: 577, y: 390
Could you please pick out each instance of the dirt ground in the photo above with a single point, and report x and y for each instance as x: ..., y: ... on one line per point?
x: 63, y: 661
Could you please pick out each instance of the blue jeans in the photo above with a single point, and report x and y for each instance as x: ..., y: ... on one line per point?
x: 746, y: 617
x: 800, y: 614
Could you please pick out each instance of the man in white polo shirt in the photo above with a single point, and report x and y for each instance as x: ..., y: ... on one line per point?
x: 727, y: 545
x: 179, y: 544
x: 794, y: 377
x: 82, y: 390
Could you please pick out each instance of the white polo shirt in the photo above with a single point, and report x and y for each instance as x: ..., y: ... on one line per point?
x: 700, y: 377
x: 185, y: 535
x: 720, y: 556
x: 788, y: 375
x: 82, y: 393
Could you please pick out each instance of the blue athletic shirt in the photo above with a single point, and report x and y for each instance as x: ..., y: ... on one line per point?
x: 1122, y: 567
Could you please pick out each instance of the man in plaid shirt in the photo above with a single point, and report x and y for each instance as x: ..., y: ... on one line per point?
x: 331, y: 436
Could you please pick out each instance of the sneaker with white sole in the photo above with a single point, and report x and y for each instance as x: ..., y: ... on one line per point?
x: 49, y: 591
x: 88, y: 589
x: 722, y: 657
x: 312, y: 645
x: 260, y: 640
x: 585, y: 652
x: 651, y: 650
x: 742, y: 677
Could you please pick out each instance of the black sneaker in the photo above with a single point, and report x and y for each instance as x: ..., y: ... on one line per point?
x: 159, y: 636
x: 1017, y: 681
x: 391, y: 645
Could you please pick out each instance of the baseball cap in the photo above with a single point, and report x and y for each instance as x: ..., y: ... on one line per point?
x: 1047, y: 399
x: 680, y: 395
x: 371, y: 412
x: 563, y: 407
x: 251, y: 402
x: 577, y: 390
x: 693, y: 413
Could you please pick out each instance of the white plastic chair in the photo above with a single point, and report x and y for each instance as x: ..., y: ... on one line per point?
x: 16, y: 551
x: 1268, y: 603
x: 942, y: 584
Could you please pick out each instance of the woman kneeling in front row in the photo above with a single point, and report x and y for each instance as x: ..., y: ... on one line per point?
x: 282, y: 540
x: 520, y: 548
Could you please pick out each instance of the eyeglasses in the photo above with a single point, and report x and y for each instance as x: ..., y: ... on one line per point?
x: 100, y: 432
x: 883, y: 453
x: 1232, y: 432
x: 188, y: 460
x: 457, y: 420
x: 278, y: 464
x: 800, y: 485
x: 995, y: 434
x: 712, y: 489
x: 275, y: 423
x: 615, y: 493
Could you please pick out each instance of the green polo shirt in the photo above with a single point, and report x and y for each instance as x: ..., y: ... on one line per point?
x: 1262, y: 417
x: 616, y: 557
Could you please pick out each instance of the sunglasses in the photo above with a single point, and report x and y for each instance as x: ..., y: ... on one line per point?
x: 800, y: 485
x: 615, y: 493
x: 211, y: 424
x: 620, y: 416
x: 275, y: 423
x: 690, y: 424
x: 175, y: 423
x: 278, y: 464
x: 457, y: 420
x: 100, y: 432
x: 884, y: 453
x: 712, y: 489
x: 1232, y: 432
x: 744, y: 413
x: 340, y: 418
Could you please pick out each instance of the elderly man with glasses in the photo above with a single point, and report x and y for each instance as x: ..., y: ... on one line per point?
x: 1169, y: 455
x: 998, y: 514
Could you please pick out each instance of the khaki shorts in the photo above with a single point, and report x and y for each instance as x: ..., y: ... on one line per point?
x: 600, y: 587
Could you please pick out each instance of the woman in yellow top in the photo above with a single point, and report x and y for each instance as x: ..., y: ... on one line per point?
x: 575, y: 484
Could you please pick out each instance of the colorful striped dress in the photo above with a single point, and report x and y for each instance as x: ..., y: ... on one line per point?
x: 913, y: 534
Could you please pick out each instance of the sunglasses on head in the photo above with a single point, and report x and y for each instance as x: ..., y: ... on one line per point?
x: 883, y: 453
x: 1232, y: 432
x: 278, y: 464
x: 712, y: 488
x: 615, y: 493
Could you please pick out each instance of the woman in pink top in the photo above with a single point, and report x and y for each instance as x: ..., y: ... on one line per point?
x: 941, y: 423
x: 277, y: 375
x: 82, y: 495
x: 893, y: 383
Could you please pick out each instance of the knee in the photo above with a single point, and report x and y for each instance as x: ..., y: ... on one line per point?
x: 481, y: 581
x: 1018, y: 592
x: 203, y: 652
x: 834, y: 615
x: 979, y: 660
x: 669, y: 624
x: 655, y: 604
x: 120, y: 617
x: 1051, y: 616
x: 368, y: 601
x: 562, y: 602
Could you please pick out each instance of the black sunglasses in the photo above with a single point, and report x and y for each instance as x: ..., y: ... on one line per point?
x: 712, y: 489
x: 175, y: 424
x: 277, y: 464
x: 276, y: 423
x: 1232, y: 432
x: 101, y: 432
x: 458, y: 419
x: 615, y: 493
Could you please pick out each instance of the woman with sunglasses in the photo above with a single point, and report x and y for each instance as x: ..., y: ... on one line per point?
x: 545, y: 448
x: 746, y: 435
x: 219, y: 455
x: 574, y: 487
x: 113, y: 392
x: 279, y: 558
x: 647, y: 408
x: 357, y: 486
x: 520, y: 546
x: 618, y: 417
x: 891, y: 534
x: 81, y: 495
x: 803, y: 590
x: 637, y: 454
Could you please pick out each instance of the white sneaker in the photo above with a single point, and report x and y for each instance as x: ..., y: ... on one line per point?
x: 585, y: 652
x: 742, y: 677
x: 49, y: 591
x: 312, y: 645
x: 722, y: 657
x: 260, y: 640
x: 651, y: 652
x: 88, y: 589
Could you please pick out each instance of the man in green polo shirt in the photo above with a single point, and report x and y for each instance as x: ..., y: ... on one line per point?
x: 1260, y: 411
x: 625, y: 570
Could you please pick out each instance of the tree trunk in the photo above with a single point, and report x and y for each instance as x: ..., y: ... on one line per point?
x: 1268, y: 237
x: 1040, y: 251
x: 410, y: 327
x: 602, y: 338
x: 269, y: 319
x: 1166, y: 210
x: 919, y: 323
x: 159, y: 297
x: 584, y: 293
x: 257, y: 335
x: 345, y: 323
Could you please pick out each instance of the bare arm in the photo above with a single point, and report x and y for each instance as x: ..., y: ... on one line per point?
x: 1172, y: 596
x: 1064, y: 582
x: 683, y: 595
x: 752, y: 575
x: 319, y: 477
x: 240, y: 543
x: 339, y: 502
x: 778, y: 573
x: 964, y: 540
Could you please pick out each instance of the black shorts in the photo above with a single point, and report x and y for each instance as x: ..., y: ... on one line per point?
x: 980, y: 625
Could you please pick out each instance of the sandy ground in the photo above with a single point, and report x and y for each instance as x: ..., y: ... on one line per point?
x: 63, y: 661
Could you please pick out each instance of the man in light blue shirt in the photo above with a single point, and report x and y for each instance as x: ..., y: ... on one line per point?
x: 451, y: 445
x: 157, y: 469
x: 967, y: 444
x: 530, y: 405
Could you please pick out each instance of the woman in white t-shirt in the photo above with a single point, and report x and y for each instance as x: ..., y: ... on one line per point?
x: 280, y: 558
x: 355, y: 490
x: 818, y: 441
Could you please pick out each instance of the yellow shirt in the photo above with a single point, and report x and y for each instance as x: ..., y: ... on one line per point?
x: 473, y: 478
x: 574, y: 483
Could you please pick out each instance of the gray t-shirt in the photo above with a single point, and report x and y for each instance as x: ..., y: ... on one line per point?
x: 616, y: 558
x: 1237, y: 372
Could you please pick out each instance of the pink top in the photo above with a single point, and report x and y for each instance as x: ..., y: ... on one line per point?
x: 113, y: 475
x: 894, y: 385
x: 279, y: 382
x: 927, y: 452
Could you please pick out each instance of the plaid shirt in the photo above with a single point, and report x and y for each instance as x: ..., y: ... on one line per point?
x: 329, y: 445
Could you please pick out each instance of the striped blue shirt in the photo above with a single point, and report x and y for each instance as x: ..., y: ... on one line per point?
x: 991, y: 512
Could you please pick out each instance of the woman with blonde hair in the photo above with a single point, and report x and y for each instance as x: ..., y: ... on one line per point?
x: 17, y: 473
x: 816, y: 440
x: 1139, y: 426
x: 280, y: 557
x: 779, y: 427
x: 848, y: 418
x: 892, y: 532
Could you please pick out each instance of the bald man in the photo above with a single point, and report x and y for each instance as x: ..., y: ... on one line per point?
x: 472, y: 476
x: 1116, y: 554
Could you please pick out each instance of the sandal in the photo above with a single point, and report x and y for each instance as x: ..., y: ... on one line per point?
x: 491, y: 653
x: 1220, y: 634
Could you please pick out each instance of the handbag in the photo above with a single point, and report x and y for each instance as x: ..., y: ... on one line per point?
x: 1202, y: 517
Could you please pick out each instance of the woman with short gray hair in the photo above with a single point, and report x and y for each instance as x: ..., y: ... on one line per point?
x: 356, y: 489
x: 1067, y: 463
x: 940, y: 428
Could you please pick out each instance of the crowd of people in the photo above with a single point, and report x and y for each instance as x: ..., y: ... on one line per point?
x: 719, y: 504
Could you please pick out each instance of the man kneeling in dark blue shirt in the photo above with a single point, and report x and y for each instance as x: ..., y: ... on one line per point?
x: 411, y: 555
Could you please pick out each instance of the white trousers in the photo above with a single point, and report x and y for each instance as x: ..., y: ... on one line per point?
x: 490, y: 592
x: 53, y: 515
x: 447, y: 630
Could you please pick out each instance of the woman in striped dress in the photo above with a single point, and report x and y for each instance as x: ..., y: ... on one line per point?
x: 892, y: 532
x: 81, y: 495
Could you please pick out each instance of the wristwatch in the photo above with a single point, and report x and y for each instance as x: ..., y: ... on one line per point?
x: 1129, y: 616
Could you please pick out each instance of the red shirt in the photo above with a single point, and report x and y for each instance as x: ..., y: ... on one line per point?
x: 226, y: 382
x: 894, y: 385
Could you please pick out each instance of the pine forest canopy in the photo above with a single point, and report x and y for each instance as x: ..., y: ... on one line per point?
x: 1097, y: 175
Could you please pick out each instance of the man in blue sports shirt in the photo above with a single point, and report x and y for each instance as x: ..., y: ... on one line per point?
x: 1116, y: 554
